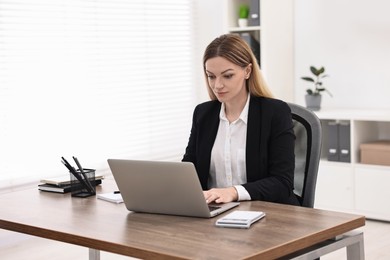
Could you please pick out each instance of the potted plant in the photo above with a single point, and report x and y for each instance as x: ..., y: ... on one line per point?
x: 313, y: 95
x: 243, y: 14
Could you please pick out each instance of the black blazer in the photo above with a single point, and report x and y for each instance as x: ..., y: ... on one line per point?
x: 270, y: 159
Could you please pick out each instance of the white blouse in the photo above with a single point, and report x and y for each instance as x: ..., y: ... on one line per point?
x: 228, y: 163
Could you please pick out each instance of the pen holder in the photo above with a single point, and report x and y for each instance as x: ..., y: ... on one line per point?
x: 86, y: 188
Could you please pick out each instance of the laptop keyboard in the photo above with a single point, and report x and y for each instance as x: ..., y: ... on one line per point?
x: 212, y: 208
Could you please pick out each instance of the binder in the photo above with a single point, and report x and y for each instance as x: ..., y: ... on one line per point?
x: 344, y: 141
x: 254, y: 13
x: 333, y: 141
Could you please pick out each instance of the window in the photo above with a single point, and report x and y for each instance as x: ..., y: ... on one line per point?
x: 95, y: 80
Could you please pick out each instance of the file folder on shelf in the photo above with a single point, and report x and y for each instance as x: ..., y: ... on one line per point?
x: 254, y: 15
x: 339, y: 141
x: 344, y: 141
x: 333, y: 141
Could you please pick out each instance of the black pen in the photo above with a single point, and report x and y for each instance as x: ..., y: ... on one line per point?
x: 117, y: 192
x: 84, y: 175
x: 67, y: 163
x: 75, y: 174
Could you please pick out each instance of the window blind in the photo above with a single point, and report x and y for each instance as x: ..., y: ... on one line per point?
x: 93, y: 79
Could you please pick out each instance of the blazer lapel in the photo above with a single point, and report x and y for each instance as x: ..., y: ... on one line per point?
x: 206, y: 144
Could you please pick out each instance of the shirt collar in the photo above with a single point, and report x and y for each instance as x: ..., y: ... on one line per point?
x: 244, y: 113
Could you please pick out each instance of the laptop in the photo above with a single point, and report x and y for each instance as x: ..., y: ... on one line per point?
x: 171, y: 188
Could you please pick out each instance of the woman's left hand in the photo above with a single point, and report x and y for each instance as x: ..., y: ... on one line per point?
x: 221, y: 195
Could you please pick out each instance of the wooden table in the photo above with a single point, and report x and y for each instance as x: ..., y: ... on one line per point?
x: 286, y: 231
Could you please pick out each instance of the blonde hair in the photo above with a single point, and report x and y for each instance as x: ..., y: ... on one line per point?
x: 233, y: 48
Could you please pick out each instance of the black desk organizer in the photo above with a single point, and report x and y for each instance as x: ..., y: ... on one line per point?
x: 79, y: 189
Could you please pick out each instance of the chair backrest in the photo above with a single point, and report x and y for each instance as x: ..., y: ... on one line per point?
x: 308, y: 133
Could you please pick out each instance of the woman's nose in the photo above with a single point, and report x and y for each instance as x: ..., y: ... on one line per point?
x: 218, y: 83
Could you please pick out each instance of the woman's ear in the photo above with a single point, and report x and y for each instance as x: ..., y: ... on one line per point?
x: 248, y: 71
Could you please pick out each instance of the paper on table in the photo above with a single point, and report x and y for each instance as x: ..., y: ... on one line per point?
x: 111, y: 197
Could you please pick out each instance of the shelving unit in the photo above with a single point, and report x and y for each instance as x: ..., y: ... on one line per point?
x: 254, y: 31
x: 353, y: 186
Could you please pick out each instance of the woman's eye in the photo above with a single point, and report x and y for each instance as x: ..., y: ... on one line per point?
x: 228, y: 76
x: 211, y: 76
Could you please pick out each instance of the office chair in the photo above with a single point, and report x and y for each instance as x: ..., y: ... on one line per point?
x: 308, y: 132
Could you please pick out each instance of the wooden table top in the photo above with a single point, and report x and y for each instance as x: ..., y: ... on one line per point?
x: 106, y: 226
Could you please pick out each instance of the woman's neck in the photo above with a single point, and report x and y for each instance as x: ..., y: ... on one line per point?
x: 234, y: 108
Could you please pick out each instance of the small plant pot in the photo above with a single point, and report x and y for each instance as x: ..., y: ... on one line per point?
x: 242, y: 22
x: 313, y: 102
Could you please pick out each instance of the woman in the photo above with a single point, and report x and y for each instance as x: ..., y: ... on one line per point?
x: 242, y: 141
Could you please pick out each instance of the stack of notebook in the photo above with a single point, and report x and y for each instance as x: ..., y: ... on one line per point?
x: 62, y: 184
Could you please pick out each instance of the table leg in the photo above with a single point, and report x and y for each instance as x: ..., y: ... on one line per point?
x: 356, y: 250
x: 352, y: 241
x: 94, y: 254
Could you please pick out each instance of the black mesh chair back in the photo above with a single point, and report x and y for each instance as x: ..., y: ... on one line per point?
x: 308, y: 132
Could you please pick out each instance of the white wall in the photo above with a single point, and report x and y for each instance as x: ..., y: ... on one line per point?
x: 212, y: 19
x: 277, y: 47
x: 351, y: 38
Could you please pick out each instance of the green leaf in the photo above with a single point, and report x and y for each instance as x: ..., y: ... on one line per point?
x: 308, y: 79
x: 314, y: 70
x: 309, y: 91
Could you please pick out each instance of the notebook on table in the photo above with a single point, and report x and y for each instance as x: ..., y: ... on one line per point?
x: 171, y: 188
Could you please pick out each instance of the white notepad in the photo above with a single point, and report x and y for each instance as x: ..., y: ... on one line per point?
x: 111, y: 197
x: 240, y: 219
